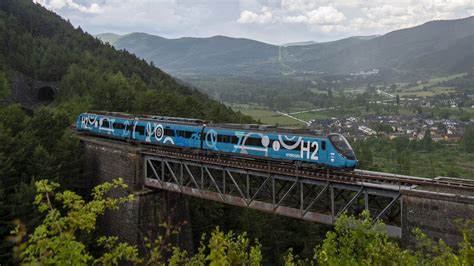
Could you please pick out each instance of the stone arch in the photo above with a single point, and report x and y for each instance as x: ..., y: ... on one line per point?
x: 46, y: 94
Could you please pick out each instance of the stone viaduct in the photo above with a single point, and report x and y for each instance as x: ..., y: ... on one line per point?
x: 435, y: 212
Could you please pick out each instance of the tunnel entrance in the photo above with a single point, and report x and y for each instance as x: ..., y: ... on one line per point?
x: 46, y: 94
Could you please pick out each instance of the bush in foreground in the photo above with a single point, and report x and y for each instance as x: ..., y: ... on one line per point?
x: 69, y: 221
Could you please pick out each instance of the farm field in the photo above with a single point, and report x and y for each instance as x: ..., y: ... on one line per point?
x: 269, y: 116
x: 357, y: 111
x: 323, y: 114
x: 427, y: 93
x: 266, y: 116
x: 429, y: 88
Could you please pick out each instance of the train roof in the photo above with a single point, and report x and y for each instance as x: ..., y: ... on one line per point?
x: 266, y: 128
x: 195, y: 122
x: 175, y: 119
x: 171, y: 119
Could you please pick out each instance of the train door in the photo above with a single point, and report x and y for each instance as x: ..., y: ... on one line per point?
x: 323, y: 158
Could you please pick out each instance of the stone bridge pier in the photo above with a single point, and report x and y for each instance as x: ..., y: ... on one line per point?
x: 435, y: 210
x: 439, y: 213
x: 135, y: 221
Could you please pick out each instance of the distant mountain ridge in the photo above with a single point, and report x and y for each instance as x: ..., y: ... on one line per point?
x: 217, y: 54
x: 111, y: 38
x: 436, y: 47
x: 298, y: 43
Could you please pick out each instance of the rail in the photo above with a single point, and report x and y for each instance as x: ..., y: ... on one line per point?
x: 355, y: 176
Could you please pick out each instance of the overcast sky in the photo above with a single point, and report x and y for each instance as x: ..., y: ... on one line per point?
x: 272, y: 21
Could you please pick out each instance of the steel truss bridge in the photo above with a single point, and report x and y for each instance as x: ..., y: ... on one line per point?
x: 319, y: 195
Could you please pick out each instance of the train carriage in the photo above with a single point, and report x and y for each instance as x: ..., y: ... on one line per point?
x: 333, y: 150
x: 257, y: 141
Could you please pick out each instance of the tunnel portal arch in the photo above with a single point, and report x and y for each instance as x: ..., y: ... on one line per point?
x: 46, y: 94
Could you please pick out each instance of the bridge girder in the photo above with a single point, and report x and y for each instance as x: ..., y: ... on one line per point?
x: 316, y: 200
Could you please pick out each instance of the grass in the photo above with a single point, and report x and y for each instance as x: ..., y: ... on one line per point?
x: 271, y: 117
x: 446, y: 161
x: 337, y: 112
x: 429, y: 88
x: 324, y: 114
x: 266, y: 116
x: 427, y: 93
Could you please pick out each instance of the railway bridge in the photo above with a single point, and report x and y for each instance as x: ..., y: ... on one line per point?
x: 161, y: 178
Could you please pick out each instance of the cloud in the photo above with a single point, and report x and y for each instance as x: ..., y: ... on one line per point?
x: 56, y: 5
x: 274, y: 21
x: 385, y: 11
x: 298, y: 5
x: 296, y: 19
x: 325, y: 15
x: 247, y: 16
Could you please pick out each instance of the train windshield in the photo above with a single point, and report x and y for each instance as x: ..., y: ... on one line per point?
x: 342, y: 146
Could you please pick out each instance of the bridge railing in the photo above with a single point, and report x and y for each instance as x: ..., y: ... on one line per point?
x: 282, y: 192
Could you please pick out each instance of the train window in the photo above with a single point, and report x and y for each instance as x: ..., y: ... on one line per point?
x: 323, y: 145
x: 234, y: 140
x: 342, y: 146
x: 254, y: 142
x: 291, y: 144
x: 184, y: 134
x: 169, y: 132
x: 224, y: 138
x: 105, y: 123
x: 140, y: 130
x: 119, y: 126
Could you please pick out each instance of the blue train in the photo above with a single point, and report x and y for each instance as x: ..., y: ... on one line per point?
x: 265, y: 142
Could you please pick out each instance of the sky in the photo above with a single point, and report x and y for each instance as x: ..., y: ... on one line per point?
x: 271, y: 21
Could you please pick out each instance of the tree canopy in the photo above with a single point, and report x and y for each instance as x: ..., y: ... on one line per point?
x: 354, y: 240
x: 41, y: 45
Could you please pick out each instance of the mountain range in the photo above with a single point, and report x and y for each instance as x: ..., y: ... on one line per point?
x: 434, y: 48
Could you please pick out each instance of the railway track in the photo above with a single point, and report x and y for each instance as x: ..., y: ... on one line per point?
x: 325, y: 174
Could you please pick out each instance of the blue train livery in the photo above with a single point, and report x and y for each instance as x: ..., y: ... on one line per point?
x: 256, y: 141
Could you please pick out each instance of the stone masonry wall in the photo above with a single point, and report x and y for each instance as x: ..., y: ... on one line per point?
x: 436, y: 214
x: 141, y: 218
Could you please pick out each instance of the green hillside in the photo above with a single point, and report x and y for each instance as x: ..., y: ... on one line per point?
x: 38, y: 44
x: 43, y: 46
x: 217, y: 55
x: 110, y: 38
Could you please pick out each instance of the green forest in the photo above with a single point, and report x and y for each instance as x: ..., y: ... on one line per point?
x: 40, y: 157
x: 92, y: 76
x: 64, y: 237
x: 424, y: 158
x: 41, y: 45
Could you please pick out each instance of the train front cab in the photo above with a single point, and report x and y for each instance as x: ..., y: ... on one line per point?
x: 344, y: 149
